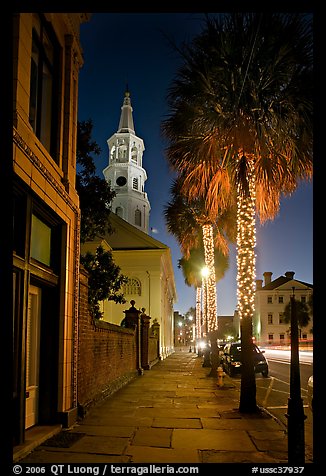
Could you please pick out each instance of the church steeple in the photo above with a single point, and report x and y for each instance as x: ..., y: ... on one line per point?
x: 126, y: 123
x: 125, y: 173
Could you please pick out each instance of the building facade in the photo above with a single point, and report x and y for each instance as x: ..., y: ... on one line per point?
x: 148, y: 265
x: 125, y: 173
x: 271, y: 297
x: 47, y: 57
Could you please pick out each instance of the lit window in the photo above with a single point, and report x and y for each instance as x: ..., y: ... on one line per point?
x: 133, y: 286
x: 40, y: 241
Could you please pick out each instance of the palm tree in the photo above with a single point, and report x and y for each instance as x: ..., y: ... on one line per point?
x: 192, y: 268
x: 302, y: 313
x: 241, y: 119
x: 189, y: 221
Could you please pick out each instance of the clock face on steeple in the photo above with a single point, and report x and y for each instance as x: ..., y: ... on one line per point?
x: 121, y: 181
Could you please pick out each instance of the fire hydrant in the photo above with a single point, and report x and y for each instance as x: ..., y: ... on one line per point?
x: 220, y: 377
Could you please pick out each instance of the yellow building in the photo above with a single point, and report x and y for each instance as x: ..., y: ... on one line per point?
x: 148, y: 265
x: 47, y: 57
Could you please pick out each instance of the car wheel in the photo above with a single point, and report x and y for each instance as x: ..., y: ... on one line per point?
x: 265, y: 373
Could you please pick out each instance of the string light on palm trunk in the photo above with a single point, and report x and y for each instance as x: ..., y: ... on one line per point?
x: 208, y: 241
x: 246, y: 242
x: 204, y: 303
x: 198, y: 312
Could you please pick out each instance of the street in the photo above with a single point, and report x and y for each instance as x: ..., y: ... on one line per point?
x: 273, y: 392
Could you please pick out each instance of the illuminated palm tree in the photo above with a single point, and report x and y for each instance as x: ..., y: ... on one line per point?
x: 192, y: 268
x: 241, y: 120
x: 194, y: 228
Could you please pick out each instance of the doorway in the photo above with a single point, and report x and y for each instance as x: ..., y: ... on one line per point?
x: 32, y: 356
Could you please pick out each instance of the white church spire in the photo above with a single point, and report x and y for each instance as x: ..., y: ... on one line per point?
x: 125, y: 173
x: 126, y: 123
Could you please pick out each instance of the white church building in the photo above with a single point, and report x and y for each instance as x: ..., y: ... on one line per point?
x: 125, y: 173
x: 144, y: 260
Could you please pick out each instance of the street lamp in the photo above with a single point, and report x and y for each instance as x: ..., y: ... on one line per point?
x: 295, y: 414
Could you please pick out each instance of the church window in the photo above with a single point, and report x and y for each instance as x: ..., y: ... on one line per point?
x: 134, y: 154
x: 138, y: 217
x: 119, y: 212
x: 135, y: 183
x: 122, y: 153
x: 133, y: 286
x: 113, y: 153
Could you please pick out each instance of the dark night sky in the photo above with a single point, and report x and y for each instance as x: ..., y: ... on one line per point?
x: 133, y: 49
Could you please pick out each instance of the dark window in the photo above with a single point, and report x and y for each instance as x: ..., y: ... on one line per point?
x: 43, y: 84
x: 138, y: 217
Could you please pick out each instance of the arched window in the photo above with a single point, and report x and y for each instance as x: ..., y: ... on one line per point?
x: 133, y: 286
x: 134, y: 154
x: 113, y: 153
x: 137, y: 217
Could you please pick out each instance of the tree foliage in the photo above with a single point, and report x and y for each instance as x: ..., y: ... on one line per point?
x: 94, y: 192
x: 241, y: 120
x: 104, y: 277
x: 104, y: 280
x: 302, y: 313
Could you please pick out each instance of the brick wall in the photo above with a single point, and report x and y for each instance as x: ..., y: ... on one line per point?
x: 106, y: 357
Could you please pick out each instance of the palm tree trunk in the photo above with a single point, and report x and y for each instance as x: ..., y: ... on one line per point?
x: 198, y: 316
x: 208, y: 240
x: 246, y: 241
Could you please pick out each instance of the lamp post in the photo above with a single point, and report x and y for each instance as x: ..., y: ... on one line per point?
x: 295, y: 414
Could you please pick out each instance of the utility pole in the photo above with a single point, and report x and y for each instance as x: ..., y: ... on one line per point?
x: 295, y: 414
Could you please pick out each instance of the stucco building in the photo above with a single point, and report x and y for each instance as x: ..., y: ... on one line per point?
x: 47, y: 57
x: 271, y: 297
x: 148, y: 265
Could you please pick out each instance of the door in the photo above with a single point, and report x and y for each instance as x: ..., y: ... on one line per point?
x: 32, y: 356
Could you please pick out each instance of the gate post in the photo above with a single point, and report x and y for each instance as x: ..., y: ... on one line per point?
x: 156, y: 332
x: 132, y: 321
x: 144, y: 319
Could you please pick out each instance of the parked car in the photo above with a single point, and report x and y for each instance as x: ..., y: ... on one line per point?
x: 310, y: 388
x: 231, y: 359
